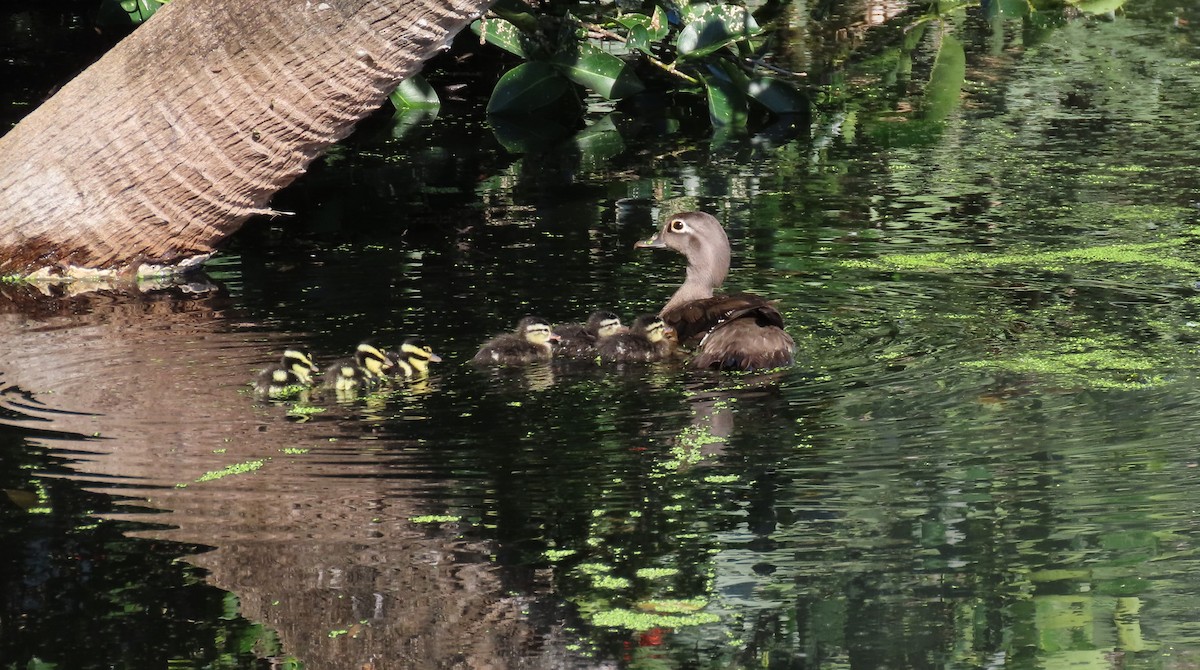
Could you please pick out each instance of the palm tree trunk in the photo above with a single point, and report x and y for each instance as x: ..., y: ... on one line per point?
x: 188, y: 127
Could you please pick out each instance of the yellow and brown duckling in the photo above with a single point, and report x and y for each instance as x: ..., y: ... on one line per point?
x: 647, y: 341
x: 739, y: 331
x: 579, y: 340
x: 413, y: 358
x: 369, y: 366
x: 292, y: 373
x: 528, y: 343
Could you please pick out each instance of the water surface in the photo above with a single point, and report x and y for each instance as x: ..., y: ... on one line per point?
x: 984, y: 456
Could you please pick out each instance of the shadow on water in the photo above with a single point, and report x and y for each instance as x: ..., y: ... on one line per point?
x: 985, y: 456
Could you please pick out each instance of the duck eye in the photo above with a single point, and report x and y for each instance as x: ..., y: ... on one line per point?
x: 678, y: 225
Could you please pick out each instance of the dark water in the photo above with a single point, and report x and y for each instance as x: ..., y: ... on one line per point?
x: 985, y: 456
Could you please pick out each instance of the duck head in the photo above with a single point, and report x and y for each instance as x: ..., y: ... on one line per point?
x: 299, y: 364
x: 651, y: 326
x: 604, y: 324
x: 372, y: 360
x: 702, y: 240
x: 417, y: 355
x: 536, y: 330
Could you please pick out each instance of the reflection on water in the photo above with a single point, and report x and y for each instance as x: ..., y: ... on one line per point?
x: 984, y: 457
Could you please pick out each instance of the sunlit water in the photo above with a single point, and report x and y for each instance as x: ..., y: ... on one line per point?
x: 983, y: 458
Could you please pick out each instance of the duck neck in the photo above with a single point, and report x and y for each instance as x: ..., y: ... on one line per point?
x: 702, y: 278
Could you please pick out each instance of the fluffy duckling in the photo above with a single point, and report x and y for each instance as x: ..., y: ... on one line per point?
x: 293, y: 371
x: 367, y: 367
x: 413, y: 358
x: 646, y: 341
x: 579, y: 340
x: 530, y: 342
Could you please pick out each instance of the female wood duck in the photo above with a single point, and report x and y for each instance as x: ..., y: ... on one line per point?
x: 646, y: 341
x: 413, y: 358
x: 579, y: 340
x: 367, y: 367
x: 738, y: 331
x: 292, y: 372
x: 528, y: 343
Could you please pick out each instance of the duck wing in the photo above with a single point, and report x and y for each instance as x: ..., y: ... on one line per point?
x: 751, y: 341
x: 694, y: 320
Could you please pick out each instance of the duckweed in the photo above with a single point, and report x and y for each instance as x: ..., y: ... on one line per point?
x: 656, y: 573
x: 1085, y: 362
x: 436, y: 518
x: 638, y: 621
x: 1148, y: 254
x: 235, y: 469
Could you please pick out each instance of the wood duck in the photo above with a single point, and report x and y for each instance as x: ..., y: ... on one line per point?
x: 292, y: 373
x: 367, y: 367
x: 413, y: 358
x: 579, y: 340
x: 646, y: 341
x: 738, y: 331
x: 528, y: 343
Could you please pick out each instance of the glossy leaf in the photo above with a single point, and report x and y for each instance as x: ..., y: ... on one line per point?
x: 599, y: 143
x: 638, y: 38
x: 411, y: 122
x: 501, y: 33
x: 522, y: 134
x: 727, y: 103
x: 1095, y: 7
x: 943, y: 93
x: 526, y: 87
x: 713, y: 27
x: 597, y: 70
x: 778, y: 96
x: 126, y: 12
x: 656, y: 25
x: 415, y: 93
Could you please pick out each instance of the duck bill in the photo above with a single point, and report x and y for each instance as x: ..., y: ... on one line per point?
x: 652, y: 243
x: 434, y: 358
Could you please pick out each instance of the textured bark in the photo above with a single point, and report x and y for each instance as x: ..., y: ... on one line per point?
x: 190, y: 125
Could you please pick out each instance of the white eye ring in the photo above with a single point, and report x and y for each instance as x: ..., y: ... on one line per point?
x: 678, y: 226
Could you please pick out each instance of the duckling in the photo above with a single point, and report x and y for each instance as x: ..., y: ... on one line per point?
x: 413, y: 358
x: 528, y: 343
x: 739, y: 331
x: 293, y: 371
x: 646, y: 341
x: 367, y: 367
x: 579, y: 340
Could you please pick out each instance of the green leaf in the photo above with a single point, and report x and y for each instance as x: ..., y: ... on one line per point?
x: 656, y: 25
x: 526, y: 87
x: 521, y: 134
x: 727, y: 103
x: 1097, y: 6
x: 501, y: 33
x: 943, y: 93
x: 713, y: 27
x: 410, y: 122
x: 600, y: 71
x: 598, y: 143
x: 638, y: 38
x: 415, y: 93
x: 126, y: 12
x: 778, y: 96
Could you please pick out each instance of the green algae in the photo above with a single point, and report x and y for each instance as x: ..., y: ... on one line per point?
x: 638, y: 621
x: 1151, y: 254
x: 656, y: 573
x: 435, y: 518
x: 235, y: 469
x: 1084, y: 362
